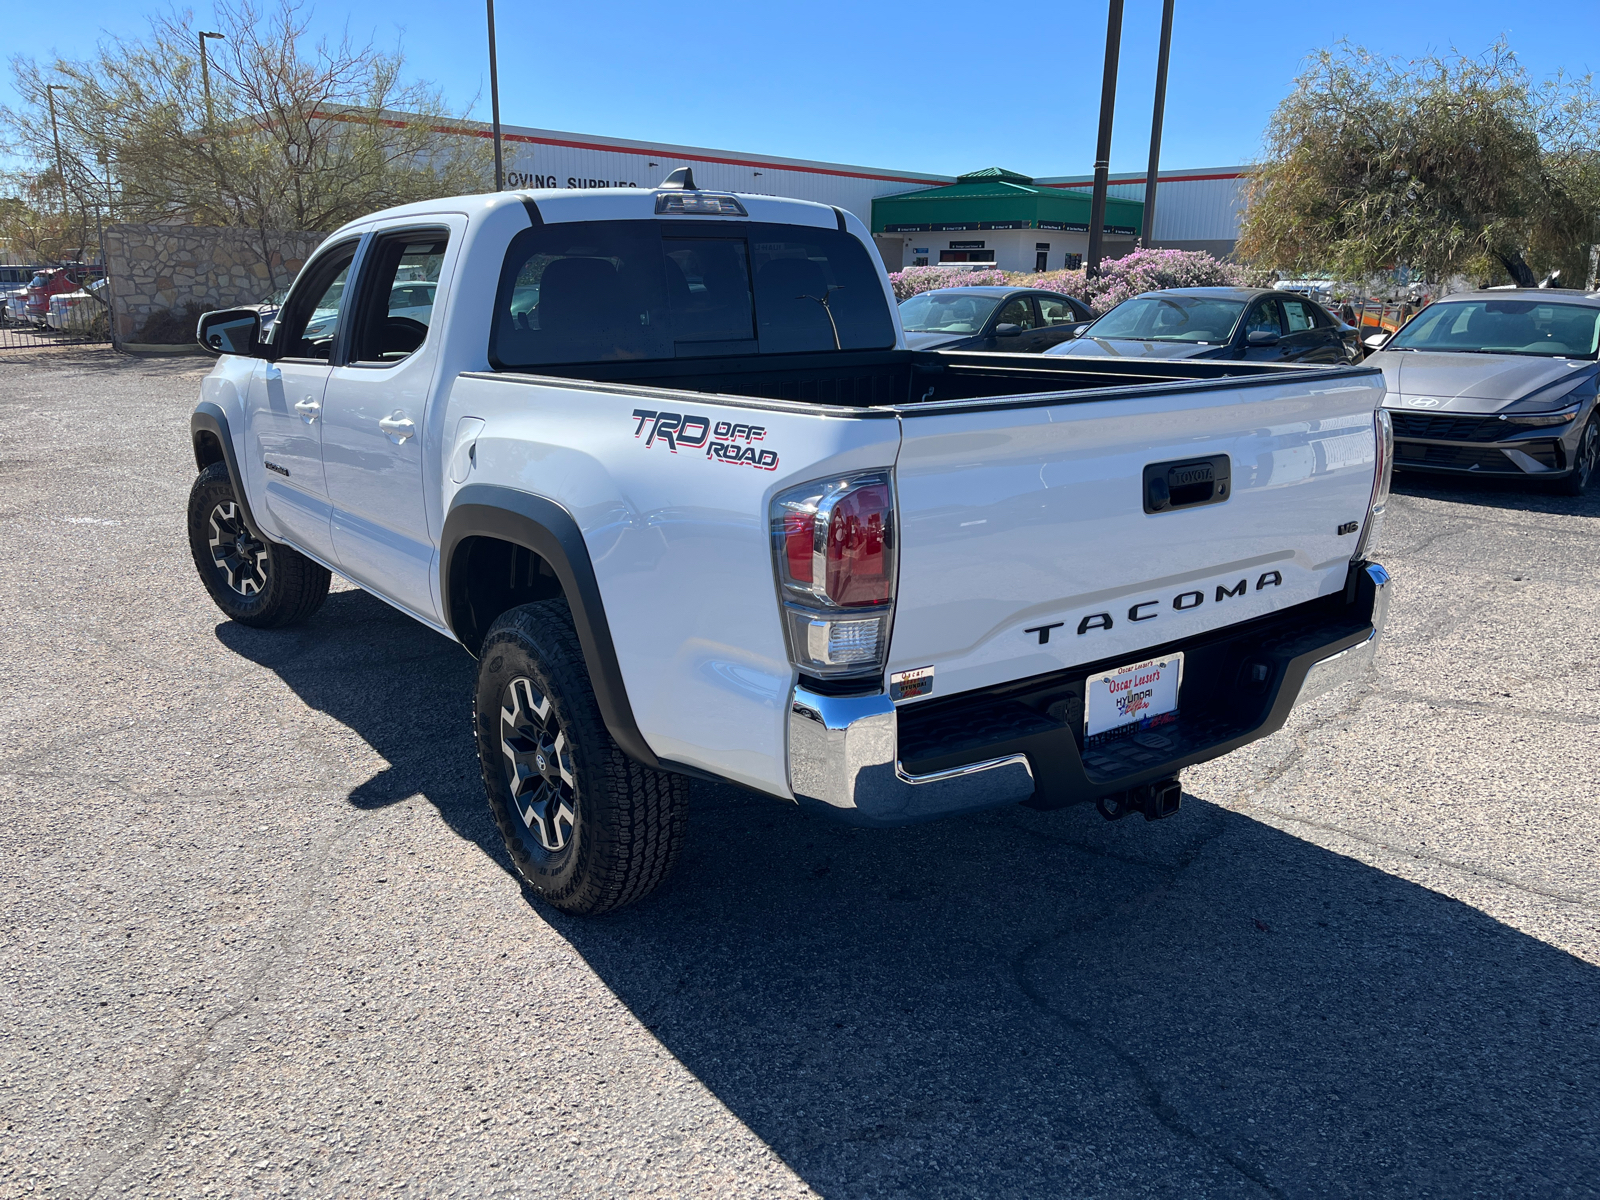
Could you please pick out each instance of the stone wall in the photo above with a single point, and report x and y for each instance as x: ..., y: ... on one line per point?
x: 162, y: 270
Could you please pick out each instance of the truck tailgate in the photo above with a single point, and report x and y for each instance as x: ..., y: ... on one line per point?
x: 1026, y: 546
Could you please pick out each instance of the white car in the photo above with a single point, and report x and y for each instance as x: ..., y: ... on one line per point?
x: 663, y: 462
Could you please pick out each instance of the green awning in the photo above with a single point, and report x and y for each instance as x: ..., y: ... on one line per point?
x: 995, y: 198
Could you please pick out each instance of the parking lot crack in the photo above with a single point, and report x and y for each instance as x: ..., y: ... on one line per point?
x: 105, y: 1166
x: 1574, y: 898
x: 1148, y: 1089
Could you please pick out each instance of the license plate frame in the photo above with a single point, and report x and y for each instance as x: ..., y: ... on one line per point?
x: 1105, y: 704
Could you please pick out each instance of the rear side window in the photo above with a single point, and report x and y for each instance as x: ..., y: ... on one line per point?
x: 602, y: 291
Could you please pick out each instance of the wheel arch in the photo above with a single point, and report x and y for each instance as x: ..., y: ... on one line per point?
x: 484, y: 530
x: 212, y: 441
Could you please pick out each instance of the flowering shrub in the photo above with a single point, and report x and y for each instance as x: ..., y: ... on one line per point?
x: 1120, y: 278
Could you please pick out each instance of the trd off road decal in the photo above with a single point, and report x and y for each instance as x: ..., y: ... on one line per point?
x: 723, y: 441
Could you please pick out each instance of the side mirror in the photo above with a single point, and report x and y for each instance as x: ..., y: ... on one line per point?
x: 1375, y: 341
x: 231, y: 331
x: 1007, y: 330
x: 1262, y: 337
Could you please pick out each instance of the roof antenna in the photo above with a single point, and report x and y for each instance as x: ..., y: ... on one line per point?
x: 683, y: 178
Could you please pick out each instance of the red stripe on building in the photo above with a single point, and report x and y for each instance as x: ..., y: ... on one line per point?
x: 732, y: 162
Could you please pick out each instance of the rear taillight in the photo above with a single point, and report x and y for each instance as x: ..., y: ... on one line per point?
x: 1372, y: 527
x: 834, y: 548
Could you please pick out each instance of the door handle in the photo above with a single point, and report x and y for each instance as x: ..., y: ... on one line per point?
x: 398, y: 426
x: 309, y: 408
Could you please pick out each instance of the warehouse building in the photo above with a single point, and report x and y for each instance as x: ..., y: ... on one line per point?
x: 1018, y: 222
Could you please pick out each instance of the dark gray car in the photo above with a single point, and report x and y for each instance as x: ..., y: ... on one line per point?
x: 1498, y: 383
x: 1253, y: 324
x: 1016, y: 320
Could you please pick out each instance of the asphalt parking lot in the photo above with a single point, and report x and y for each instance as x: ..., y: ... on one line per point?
x: 260, y: 938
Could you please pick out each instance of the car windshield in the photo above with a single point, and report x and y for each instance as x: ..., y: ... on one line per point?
x: 946, y: 312
x: 1170, y: 319
x: 1539, y: 327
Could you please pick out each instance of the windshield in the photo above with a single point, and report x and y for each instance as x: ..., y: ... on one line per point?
x: 946, y: 312
x: 1504, y: 327
x: 1170, y: 319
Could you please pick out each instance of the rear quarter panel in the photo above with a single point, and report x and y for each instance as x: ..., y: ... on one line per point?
x: 679, y: 542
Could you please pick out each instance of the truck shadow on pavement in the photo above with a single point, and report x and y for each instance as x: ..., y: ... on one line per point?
x: 1042, y: 1004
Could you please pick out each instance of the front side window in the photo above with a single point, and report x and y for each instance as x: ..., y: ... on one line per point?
x: 400, y: 280
x: 607, y: 291
x: 1264, y: 318
x: 1018, y: 312
x: 1504, y: 327
x: 1157, y: 318
x: 311, y: 321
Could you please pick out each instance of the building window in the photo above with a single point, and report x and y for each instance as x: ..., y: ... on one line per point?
x: 959, y: 256
x: 1074, y: 262
x: 920, y: 260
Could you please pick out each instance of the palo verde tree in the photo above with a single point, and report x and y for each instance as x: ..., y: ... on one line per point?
x: 1445, y: 165
x: 295, y: 134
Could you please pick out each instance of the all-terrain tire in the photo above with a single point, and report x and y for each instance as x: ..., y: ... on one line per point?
x: 589, y: 829
x: 265, y: 584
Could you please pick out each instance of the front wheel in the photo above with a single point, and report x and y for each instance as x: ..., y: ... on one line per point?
x: 1585, y: 462
x: 258, y: 583
x: 588, y: 829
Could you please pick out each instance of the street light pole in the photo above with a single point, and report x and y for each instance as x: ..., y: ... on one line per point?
x: 1149, y: 230
x: 205, y: 73
x: 50, y: 91
x: 494, y: 105
x: 1102, y: 152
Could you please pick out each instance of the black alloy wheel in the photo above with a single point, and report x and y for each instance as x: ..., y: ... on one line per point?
x: 587, y: 828
x: 538, y: 766
x: 255, y: 582
x: 242, y: 560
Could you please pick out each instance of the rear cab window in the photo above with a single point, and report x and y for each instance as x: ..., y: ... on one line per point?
x: 607, y: 291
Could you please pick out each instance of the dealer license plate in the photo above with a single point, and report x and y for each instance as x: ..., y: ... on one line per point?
x: 1133, y: 697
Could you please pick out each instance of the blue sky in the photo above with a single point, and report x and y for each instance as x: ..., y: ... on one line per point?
x: 932, y: 86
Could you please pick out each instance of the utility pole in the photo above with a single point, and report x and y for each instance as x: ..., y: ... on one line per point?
x: 1102, y: 151
x: 494, y: 107
x: 205, y: 74
x: 1149, y: 230
x: 50, y: 91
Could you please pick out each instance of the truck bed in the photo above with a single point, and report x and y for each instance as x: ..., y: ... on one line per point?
x: 879, y: 378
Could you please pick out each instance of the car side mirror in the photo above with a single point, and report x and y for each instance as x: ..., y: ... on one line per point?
x: 1262, y: 337
x: 1007, y: 330
x: 231, y: 331
x: 1375, y: 341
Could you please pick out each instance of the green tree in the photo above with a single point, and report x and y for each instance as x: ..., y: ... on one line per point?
x: 297, y: 136
x: 1444, y: 165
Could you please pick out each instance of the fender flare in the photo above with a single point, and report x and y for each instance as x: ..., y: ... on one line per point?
x: 208, y: 418
x: 548, y: 530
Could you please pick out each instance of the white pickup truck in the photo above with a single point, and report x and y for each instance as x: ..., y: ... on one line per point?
x: 662, y: 462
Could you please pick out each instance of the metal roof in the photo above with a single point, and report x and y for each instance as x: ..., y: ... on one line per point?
x: 995, y: 198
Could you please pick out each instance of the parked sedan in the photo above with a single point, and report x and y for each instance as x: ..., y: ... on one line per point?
x: 1015, y: 320
x: 1498, y: 383
x: 1249, y: 323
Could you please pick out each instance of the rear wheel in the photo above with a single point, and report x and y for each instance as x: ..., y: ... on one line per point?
x: 1585, y: 462
x: 588, y: 829
x: 258, y: 583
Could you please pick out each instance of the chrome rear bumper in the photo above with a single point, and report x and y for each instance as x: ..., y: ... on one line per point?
x: 844, y: 751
